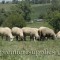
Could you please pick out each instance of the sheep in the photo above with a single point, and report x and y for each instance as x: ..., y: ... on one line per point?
x: 58, y: 35
x: 16, y: 31
x: 45, y: 32
x: 26, y: 32
x: 32, y: 32
x: 6, y: 31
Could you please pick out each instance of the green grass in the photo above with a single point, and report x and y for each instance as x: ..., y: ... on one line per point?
x: 52, y: 47
x: 49, y: 45
x: 38, y: 24
x: 39, y: 9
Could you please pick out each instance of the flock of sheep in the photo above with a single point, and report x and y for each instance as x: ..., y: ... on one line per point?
x: 41, y: 33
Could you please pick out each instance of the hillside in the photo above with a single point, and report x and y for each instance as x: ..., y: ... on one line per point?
x: 37, y: 9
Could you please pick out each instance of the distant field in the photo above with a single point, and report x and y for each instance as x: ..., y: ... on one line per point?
x: 37, y: 9
x: 36, y: 5
x: 38, y: 24
x: 6, y: 6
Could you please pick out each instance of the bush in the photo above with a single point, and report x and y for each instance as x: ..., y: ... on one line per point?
x: 23, y: 8
x: 2, y: 15
x: 14, y: 20
x: 2, y: 18
x: 53, y: 15
x: 41, y: 16
x: 54, y: 20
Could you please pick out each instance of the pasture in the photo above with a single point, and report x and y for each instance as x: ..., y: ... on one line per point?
x: 30, y: 50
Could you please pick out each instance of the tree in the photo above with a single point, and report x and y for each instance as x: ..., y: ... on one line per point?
x: 2, y: 16
x: 35, y: 1
x: 14, y: 20
x: 14, y: 1
x: 55, y: 5
x: 54, y: 20
x: 53, y: 15
x: 24, y: 9
x: 3, y: 1
x: 40, y: 1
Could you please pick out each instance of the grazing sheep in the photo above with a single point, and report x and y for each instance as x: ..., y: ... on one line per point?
x: 45, y: 32
x: 32, y: 32
x: 26, y: 32
x: 58, y: 35
x: 17, y: 32
x: 6, y: 31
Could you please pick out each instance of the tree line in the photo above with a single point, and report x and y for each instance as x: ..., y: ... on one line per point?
x: 30, y: 1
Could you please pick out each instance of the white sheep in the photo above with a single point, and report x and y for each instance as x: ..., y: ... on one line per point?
x: 17, y: 32
x: 6, y: 31
x: 58, y: 35
x: 26, y: 32
x: 32, y: 32
x: 46, y: 32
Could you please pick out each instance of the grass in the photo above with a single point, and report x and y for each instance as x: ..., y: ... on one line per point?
x: 38, y: 24
x: 43, y: 50
x: 39, y: 9
x: 49, y: 45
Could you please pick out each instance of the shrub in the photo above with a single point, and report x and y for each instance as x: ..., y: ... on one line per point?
x: 53, y: 15
x: 23, y: 8
x: 14, y: 20
x: 41, y: 16
x: 54, y: 20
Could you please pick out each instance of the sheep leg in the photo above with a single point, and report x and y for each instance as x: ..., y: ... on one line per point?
x: 30, y: 38
x: 2, y: 37
x: 7, y: 38
x: 21, y: 38
x: 24, y: 38
x: 34, y: 38
x: 16, y: 37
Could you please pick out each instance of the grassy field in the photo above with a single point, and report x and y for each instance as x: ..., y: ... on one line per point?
x: 39, y: 9
x: 38, y: 24
x: 30, y: 50
x: 52, y: 47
